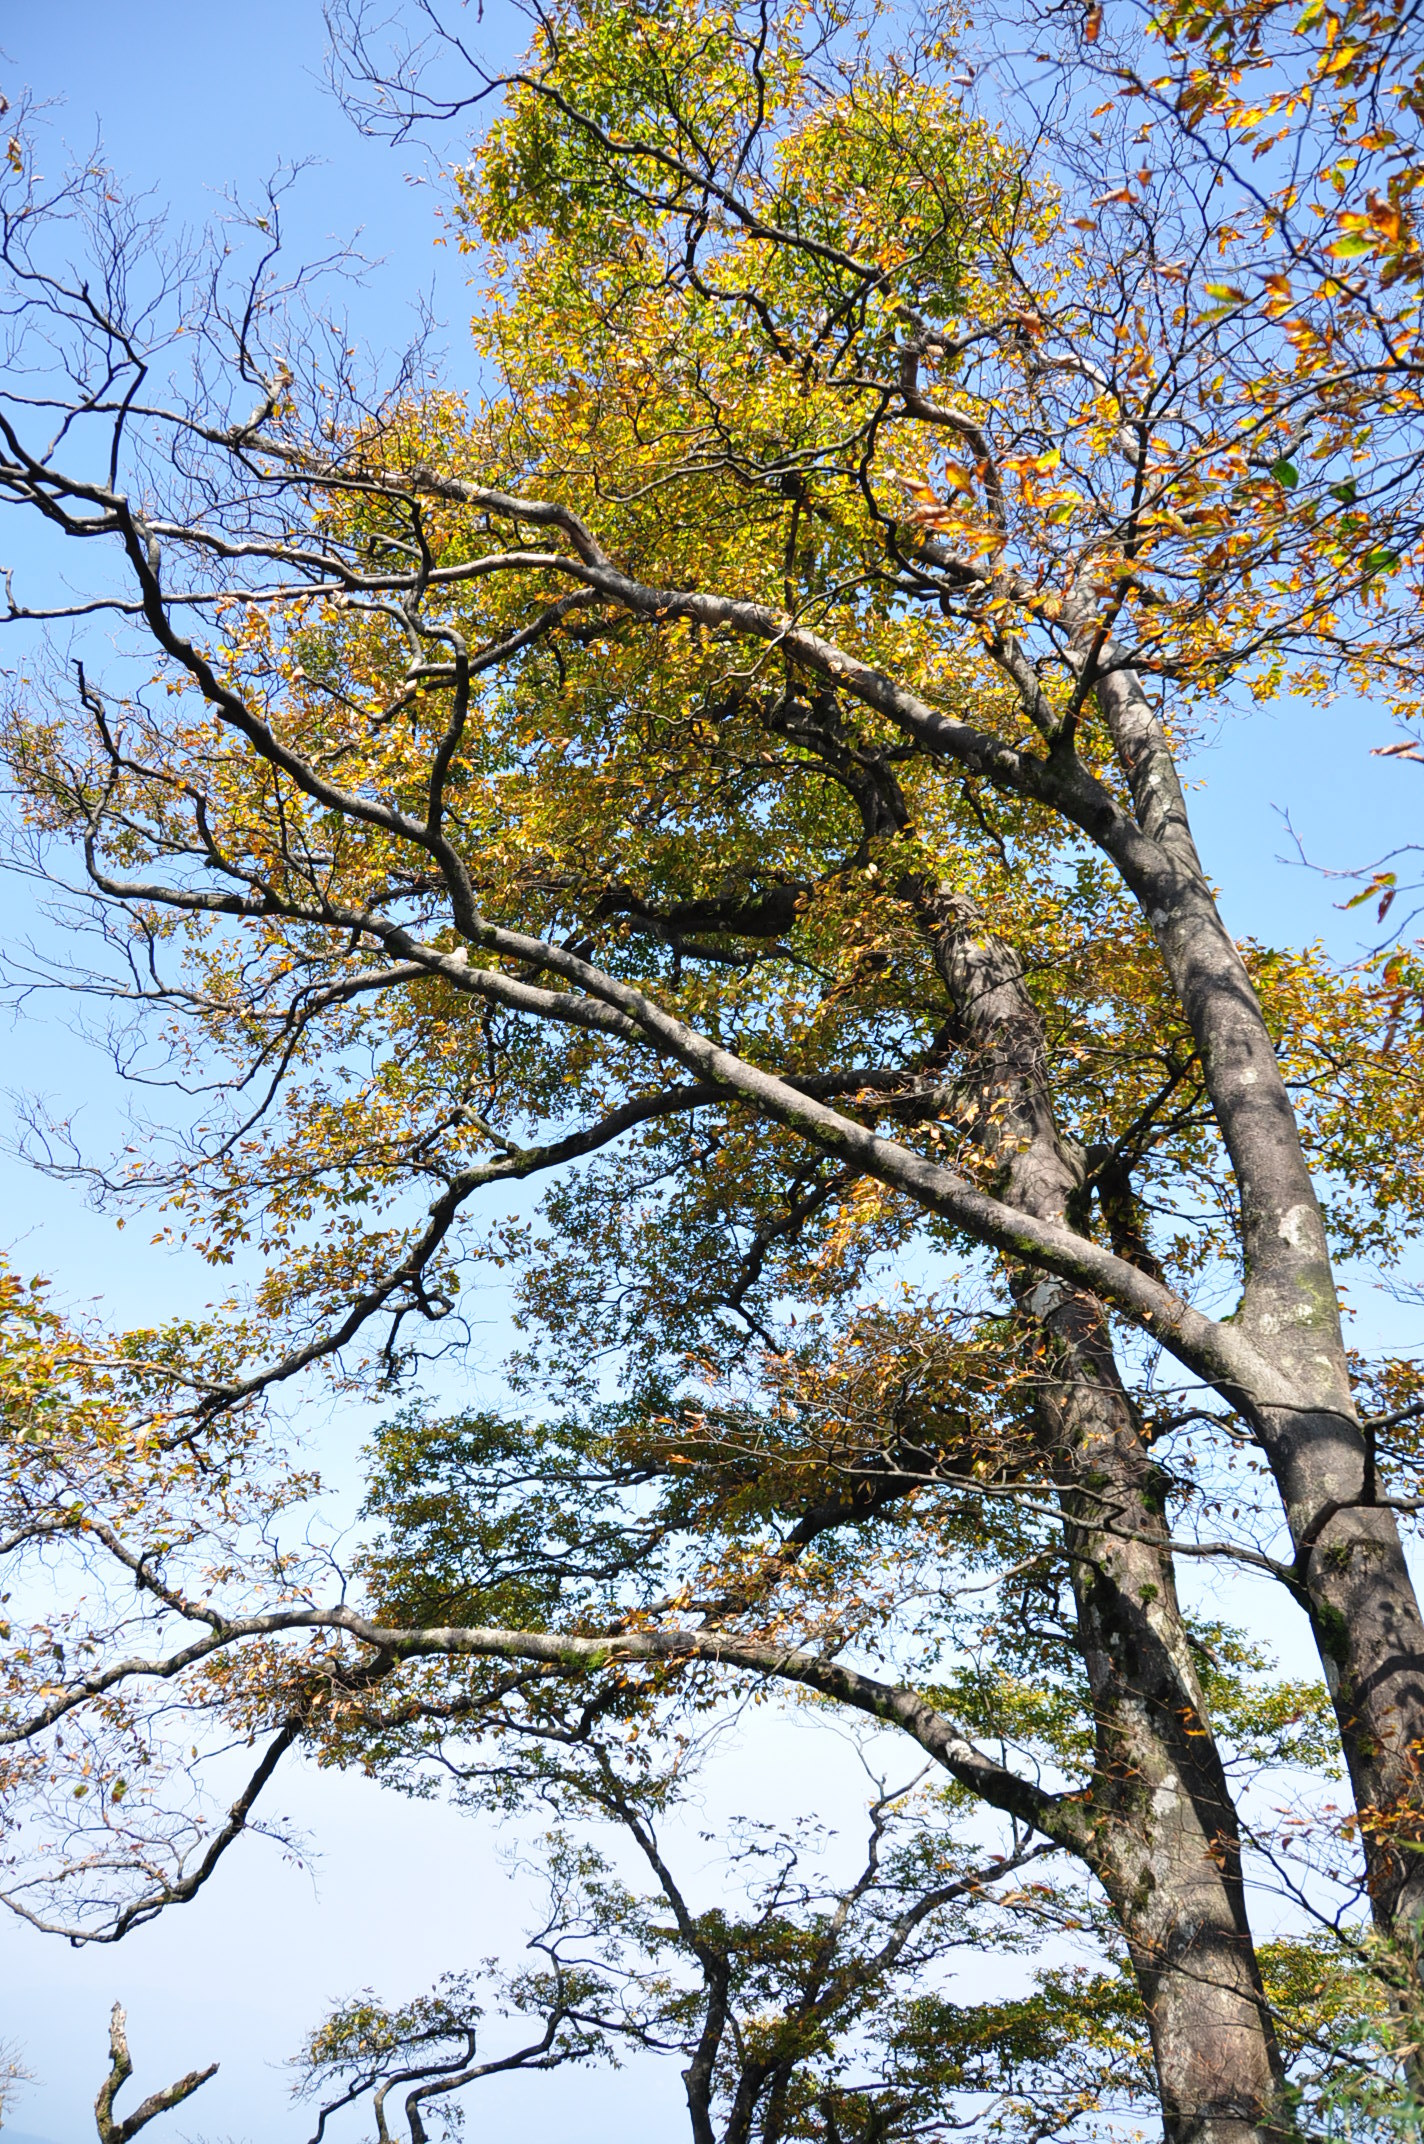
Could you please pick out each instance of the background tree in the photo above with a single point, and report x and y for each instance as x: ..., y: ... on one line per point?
x: 12, y: 2074
x: 817, y: 2006
x: 785, y: 2012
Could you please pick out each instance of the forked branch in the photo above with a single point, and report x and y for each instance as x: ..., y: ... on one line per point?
x: 113, y: 2131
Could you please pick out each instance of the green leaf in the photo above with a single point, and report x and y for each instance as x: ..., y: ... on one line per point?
x: 1383, y: 881
x: 1285, y: 473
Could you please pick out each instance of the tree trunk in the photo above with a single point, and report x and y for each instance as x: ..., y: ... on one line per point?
x: 1354, y: 1583
x: 1166, y: 1846
x: 1350, y: 1572
x: 1170, y: 1851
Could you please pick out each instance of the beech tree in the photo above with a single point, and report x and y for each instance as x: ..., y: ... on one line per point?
x: 732, y: 773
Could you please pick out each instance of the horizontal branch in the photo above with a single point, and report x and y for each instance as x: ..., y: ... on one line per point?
x: 1055, y: 1816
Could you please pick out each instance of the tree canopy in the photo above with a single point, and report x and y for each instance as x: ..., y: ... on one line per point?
x: 728, y: 775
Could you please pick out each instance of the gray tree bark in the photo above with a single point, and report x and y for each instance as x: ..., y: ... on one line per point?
x: 1166, y: 1846
x: 1350, y: 1574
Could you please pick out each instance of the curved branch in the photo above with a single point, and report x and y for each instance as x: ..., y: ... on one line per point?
x: 1059, y: 1817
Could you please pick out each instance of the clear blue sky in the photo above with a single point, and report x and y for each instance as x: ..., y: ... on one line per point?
x: 192, y: 99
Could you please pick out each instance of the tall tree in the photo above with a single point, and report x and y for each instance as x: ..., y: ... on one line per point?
x: 730, y: 752
x: 1120, y: 506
